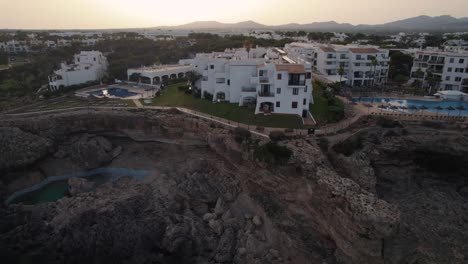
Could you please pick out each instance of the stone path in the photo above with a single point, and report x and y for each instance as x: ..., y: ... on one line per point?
x: 137, y: 103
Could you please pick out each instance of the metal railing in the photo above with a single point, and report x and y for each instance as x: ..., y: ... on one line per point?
x: 266, y: 94
x: 249, y: 89
x: 296, y: 83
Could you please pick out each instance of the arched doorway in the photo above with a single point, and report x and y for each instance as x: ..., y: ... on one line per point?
x: 221, y: 96
x: 267, y: 107
x: 156, y: 80
x: 180, y: 75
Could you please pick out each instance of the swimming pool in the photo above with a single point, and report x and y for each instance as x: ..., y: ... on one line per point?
x: 413, y: 105
x: 114, y: 92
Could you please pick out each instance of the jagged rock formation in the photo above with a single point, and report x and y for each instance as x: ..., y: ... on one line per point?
x: 422, y: 171
x: 208, y: 201
x: 20, y: 149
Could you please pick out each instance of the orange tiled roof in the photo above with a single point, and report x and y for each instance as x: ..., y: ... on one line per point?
x: 327, y: 49
x: 363, y: 50
x: 291, y: 68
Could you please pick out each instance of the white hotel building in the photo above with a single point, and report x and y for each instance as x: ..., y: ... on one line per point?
x: 254, y: 79
x: 451, y: 69
x: 250, y: 78
x: 356, y: 60
x: 88, y: 66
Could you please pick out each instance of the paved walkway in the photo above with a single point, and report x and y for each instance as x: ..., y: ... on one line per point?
x: 137, y: 103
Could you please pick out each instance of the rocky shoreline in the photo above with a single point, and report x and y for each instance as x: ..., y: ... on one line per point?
x: 209, y: 202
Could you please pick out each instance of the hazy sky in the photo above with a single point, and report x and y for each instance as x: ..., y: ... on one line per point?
x: 84, y: 14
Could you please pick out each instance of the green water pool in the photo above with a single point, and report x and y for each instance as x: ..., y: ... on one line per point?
x: 54, y: 188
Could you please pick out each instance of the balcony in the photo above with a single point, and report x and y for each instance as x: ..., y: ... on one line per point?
x: 465, y: 82
x: 296, y: 83
x: 266, y: 94
x: 247, y: 89
x: 262, y: 79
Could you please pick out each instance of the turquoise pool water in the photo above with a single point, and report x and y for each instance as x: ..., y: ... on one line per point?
x: 405, y: 105
x: 54, y: 188
x: 114, y: 91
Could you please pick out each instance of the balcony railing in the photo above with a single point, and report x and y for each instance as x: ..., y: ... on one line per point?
x: 264, y: 79
x: 266, y: 94
x: 249, y: 89
x: 296, y: 83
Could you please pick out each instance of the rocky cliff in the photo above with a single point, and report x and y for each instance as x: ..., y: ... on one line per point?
x: 208, y: 201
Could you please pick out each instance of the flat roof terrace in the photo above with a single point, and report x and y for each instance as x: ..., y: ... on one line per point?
x: 158, y: 73
x: 162, y: 68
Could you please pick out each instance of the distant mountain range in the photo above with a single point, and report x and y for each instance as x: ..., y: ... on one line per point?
x: 419, y: 23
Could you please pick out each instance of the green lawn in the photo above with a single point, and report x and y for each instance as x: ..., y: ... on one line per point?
x: 321, y: 111
x: 171, y: 96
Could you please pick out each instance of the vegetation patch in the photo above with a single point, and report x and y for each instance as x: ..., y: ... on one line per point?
x: 273, y: 153
x: 326, y: 107
x: 350, y: 145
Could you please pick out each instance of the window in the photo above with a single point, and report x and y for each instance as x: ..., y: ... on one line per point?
x: 357, y: 64
x: 211, y: 66
x: 279, y: 76
x: 278, y: 104
x: 449, y: 69
x: 461, y: 61
x: 458, y: 79
x: 458, y: 69
x: 305, y: 101
x: 228, y: 82
x: 447, y: 78
x: 295, y: 91
x: 294, y: 105
x: 452, y: 60
x: 220, y: 80
x: 305, y: 89
x: 94, y: 59
x: 308, y: 75
x: 278, y: 90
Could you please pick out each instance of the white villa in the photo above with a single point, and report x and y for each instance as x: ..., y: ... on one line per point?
x: 257, y: 77
x: 356, y: 60
x: 450, y: 69
x: 88, y: 66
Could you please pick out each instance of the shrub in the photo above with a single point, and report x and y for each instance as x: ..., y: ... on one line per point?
x: 323, y: 143
x: 348, y: 146
x: 387, y: 123
x: 241, y: 134
x: 273, y: 153
x: 277, y: 136
x: 212, y: 125
x: 207, y: 96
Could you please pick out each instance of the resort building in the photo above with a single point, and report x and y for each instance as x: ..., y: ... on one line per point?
x: 441, y: 70
x: 264, y: 79
x: 88, y: 66
x: 14, y: 46
x: 362, y: 65
x: 269, y: 85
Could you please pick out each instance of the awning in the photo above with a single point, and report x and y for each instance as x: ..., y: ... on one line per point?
x: 334, y: 78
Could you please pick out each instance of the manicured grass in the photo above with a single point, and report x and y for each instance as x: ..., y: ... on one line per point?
x: 171, y: 96
x: 321, y: 111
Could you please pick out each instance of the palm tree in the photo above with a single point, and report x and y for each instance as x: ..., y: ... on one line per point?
x: 341, y: 72
x: 423, y: 107
x: 460, y: 108
x: 247, y: 46
x: 438, y: 108
x: 419, y: 72
x: 374, y: 63
x: 413, y: 107
x: 449, y: 109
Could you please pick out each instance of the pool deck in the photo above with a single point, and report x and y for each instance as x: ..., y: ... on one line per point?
x: 141, y: 91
